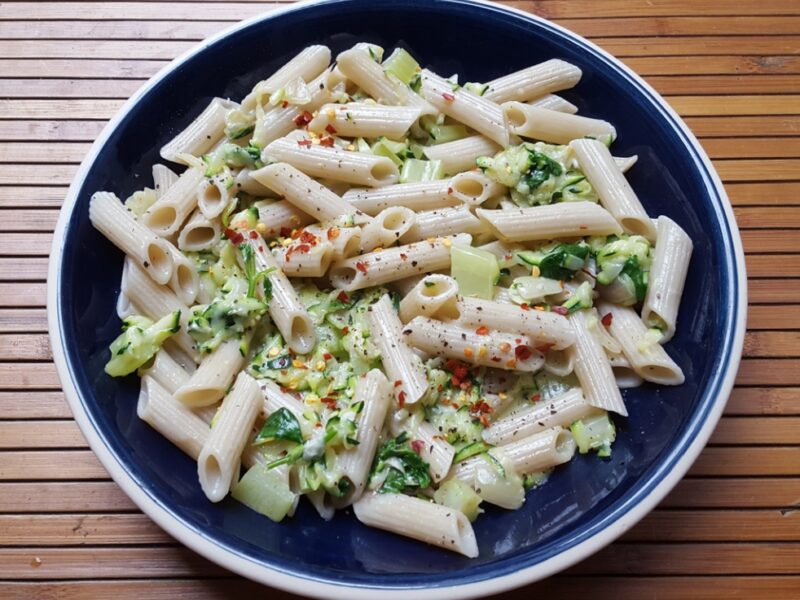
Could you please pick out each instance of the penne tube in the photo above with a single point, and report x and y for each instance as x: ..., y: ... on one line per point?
x: 375, y: 391
x: 199, y: 233
x: 213, y: 195
x: 433, y: 295
x: 313, y: 262
x: 560, y: 411
x: 565, y: 219
x: 673, y: 252
x: 623, y: 372
x: 552, y: 126
x: 167, y: 372
x: 559, y: 362
x: 219, y: 459
x: 388, y: 226
x: 281, y: 215
x: 163, y: 179
x: 474, y: 188
x: 418, y: 519
x: 341, y: 165
x: 592, y: 367
x: 416, y: 196
x: 477, y: 112
x: 287, y: 312
x: 460, y: 155
x: 359, y: 119
x: 481, y: 346
x: 124, y: 307
x: 344, y: 241
x: 614, y: 191
x: 553, y: 102
x: 207, y: 385
x: 403, y: 368
x: 276, y: 399
x: 647, y: 357
x: 435, y: 451
x: 550, y: 76
x: 626, y: 162
x: 443, y: 221
x: 118, y: 224
x: 378, y: 268
x: 184, y: 281
x: 200, y: 135
x: 169, y: 212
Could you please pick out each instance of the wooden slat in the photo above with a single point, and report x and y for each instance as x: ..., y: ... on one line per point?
x: 26, y: 346
x: 70, y: 88
x: 725, y: 84
x: 25, y: 376
x: 43, y: 465
x: 764, y: 401
x: 770, y: 241
x: 763, y: 45
x: 23, y: 320
x: 100, y: 496
x: 23, y: 294
x: 744, y: 126
x: 773, y: 343
x: 756, y: 147
x: 40, y: 434
x: 762, y: 193
x: 705, y: 25
x: 27, y: 131
x: 43, y: 152
x: 63, y: 530
x: 37, y: 174
x: 34, y: 405
x: 771, y: 317
x: 757, y: 431
x: 764, y: 217
x: 716, y: 526
x: 25, y: 244
x: 746, y: 462
x: 773, y: 291
x: 692, y: 106
x: 17, y: 196
x: 28, y: 220
x: 769, y: 265
x: 758, y: 371
x: 14, y: 269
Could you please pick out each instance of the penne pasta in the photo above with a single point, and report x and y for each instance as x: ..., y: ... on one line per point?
x: 201, y: 135
x: 387, y: 228
x: 359, y: 119
x: 432, y: 295
x: 567, y: 219
x: 552, y: 126
x: 460, y: 155
x: 536, y: 81
x: 176, y: 204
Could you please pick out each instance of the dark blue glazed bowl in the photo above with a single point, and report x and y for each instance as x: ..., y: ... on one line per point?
x: 587, y: 503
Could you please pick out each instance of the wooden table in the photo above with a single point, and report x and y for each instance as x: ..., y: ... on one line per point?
x: 730, y: 529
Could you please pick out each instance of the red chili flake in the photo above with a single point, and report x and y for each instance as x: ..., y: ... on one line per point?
x: 235, y: 237
x: 485, y: 421
x: 304, y: 143
x: 308, y: 237
x: 607, y: 319
x: 326, y: 141
x: 302, y: 248
x: 546, y: 347
x: 560, y: 310
x: 459, y: 370
x: 330, y: 129
x: 417, y: 445
x: 482, y: 330
x: 343, y: 297
x: 361, y: 267
x: 253, y: 235
x: 285, y: 103
x: 398, y: 383
x: 439, y: 387
x: 524, y: 306
x: 345, y: 330
x: 403, y: 256
x: 296, y: 234
x: 448, y: 97
x: 517, y: 341
x: 449, y: 190
x: 333, y: 233
x: 496, y: 359
x: 481, y: 408
x: 303, y: 119
x: 536, y: 397
x: 583, y: 227
x: 401, y: 399
x: 523, y: 352
x: 327, y: 356
x: 286, y: 231
x: 329, y: 402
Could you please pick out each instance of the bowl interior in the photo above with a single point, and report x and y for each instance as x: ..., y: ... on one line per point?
x: 479, y: 43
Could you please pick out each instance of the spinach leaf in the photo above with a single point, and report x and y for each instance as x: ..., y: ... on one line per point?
x: 542, y: 167
x: 563, y: 261
x: 401, y: 469
x: 280, y: 425
x: 637, y: 275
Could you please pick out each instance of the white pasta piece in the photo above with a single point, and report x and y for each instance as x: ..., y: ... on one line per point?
x: 308, y: 64
x: 175, y: 205
x: 359, y: 119
x: 388, y: 226
x: 612, y: 188
x: 490, y: 348
x: 416, y: 196
x: 163, y: 179
x: 304, y: 193
x: 287, y: 312
x: 243, y: 182
x: 353, y: 167
x: 433, y: 295
x: 124, y: 307
x: 474, y: 188
x: 553, y: 102
x: 213, y: 195
x: 565, y: 219
x: 359, y: 67
x: 345, y: 241
x: 216, y: 372
x: 550, y: 76
x: 322, y: 503
x: 156, y: 301
x: 547, y: 330
x: 110, y: 217
x: 559, y: 362
x: 647, y: 357
x: 623, y: 372
x: 418, y: 519
x: 501, y: 296
x: 403, y: 368
x: 170, y: 418
x: 167, y: 372
x: 282, y: 215
x: 444, y: 221
x: 552, y: 126
x: 435, y: 451
x: 311, y: 263
x: 375, y: 391
x: 673, y: 252
x: 460, y: 155
x: 560, y: 411
x: 218, y: 462
x: 391, y: 264
x: 200, y: 135
x: 199, y: 233
x: 184, y: 281
x: 626, y: 162
x: 592, y: 367
x: 276, y: 399
x: 477, y: 112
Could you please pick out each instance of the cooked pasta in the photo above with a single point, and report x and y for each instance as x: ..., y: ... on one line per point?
x: 376, y: 287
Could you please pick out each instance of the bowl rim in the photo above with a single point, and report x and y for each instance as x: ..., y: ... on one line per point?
x: 660, y: 483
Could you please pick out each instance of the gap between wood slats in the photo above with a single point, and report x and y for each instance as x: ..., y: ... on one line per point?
x: 557, y: 587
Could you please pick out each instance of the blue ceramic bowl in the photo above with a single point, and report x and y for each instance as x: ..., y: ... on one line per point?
x: 587, y: 503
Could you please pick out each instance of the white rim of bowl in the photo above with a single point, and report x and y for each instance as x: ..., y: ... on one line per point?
x: 270, y: 576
